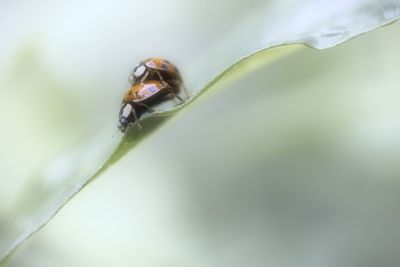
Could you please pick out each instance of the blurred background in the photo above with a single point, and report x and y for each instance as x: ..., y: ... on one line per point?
x: 293, y: 164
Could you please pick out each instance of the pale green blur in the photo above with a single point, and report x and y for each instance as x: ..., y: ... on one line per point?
x: 295, y: 164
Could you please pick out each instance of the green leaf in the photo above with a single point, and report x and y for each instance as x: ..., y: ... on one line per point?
x: 258, y: 35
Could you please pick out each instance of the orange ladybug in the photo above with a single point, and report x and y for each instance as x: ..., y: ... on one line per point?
x: 141, y: 97
x: 156, y: 69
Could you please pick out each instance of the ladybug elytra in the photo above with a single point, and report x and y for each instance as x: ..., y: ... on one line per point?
x: 156, y: 69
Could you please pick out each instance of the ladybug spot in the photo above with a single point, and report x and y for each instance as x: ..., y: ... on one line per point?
x: 151, y: 64
x: 153, y: 89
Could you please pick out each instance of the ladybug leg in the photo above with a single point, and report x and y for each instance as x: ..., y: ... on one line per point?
x: 150, y: 109
x: 162, y: 80
x: 145, y: 76
x: 172, y: 94
x: 136, y: 119
x: 159, y: 76
x: 179, y: 98
x: 185, y: 90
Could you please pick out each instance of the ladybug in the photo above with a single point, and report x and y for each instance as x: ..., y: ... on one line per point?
x: 141, y: 97
x: 156, y: 69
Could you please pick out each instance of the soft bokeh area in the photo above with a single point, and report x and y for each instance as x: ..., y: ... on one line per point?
x: 293, y: 164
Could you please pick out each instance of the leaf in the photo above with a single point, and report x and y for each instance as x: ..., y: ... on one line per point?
x: 256, y: 37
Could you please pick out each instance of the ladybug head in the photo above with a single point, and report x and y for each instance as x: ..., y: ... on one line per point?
x: 126, y: 117
x: 137, y: 73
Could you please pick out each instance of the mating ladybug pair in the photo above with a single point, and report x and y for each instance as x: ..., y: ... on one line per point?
x: 153, y: 81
